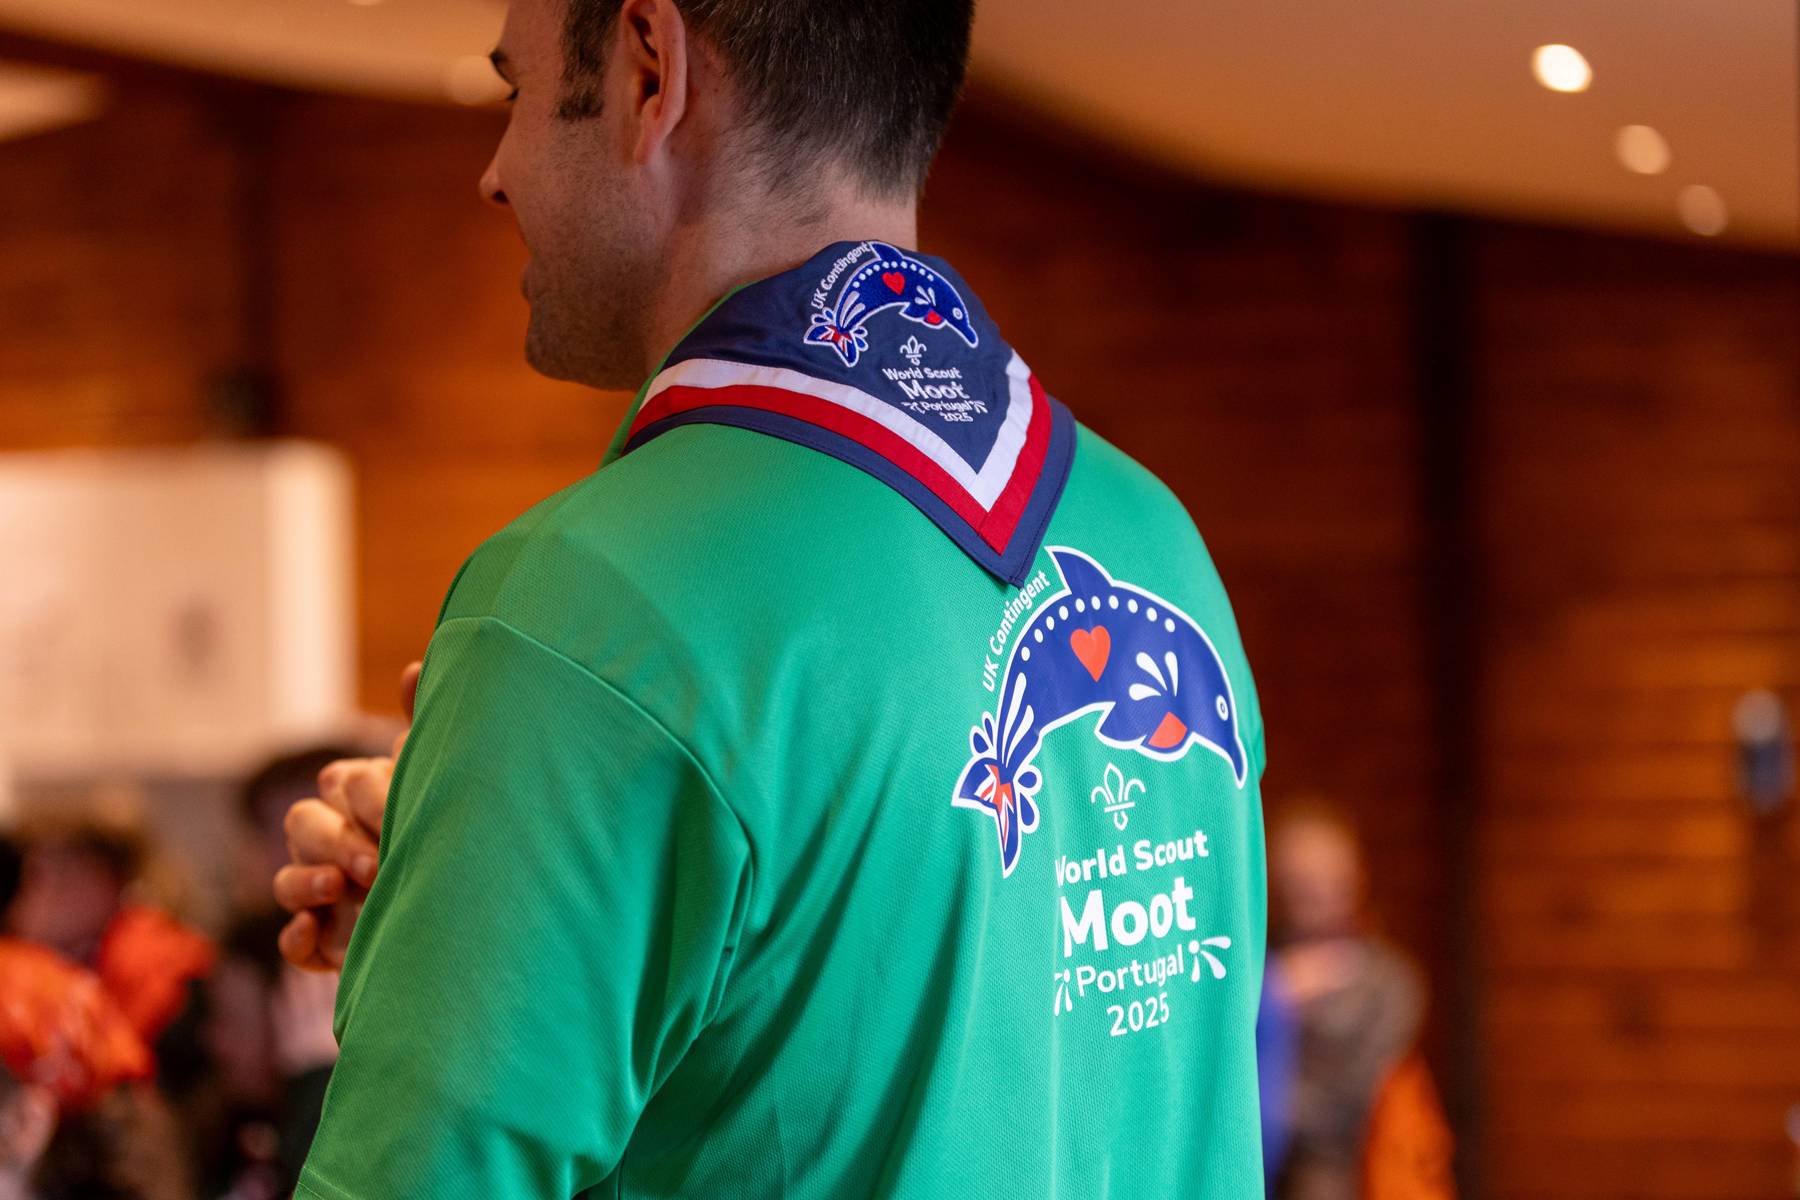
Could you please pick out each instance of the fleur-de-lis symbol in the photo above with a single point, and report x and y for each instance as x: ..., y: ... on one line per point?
x: 1065, y: 1002
x: 1211, y: 960
x: 913, y: 349
x: 1117, y: 792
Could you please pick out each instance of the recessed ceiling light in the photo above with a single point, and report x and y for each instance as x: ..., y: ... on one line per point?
x: 365, y: 3
x: 36, y: 99
x: 472, y: 80
x: 1703, y: 210
x: 1643, y: 150
x: 1562, y: 68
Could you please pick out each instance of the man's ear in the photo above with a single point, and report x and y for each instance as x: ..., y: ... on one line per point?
x: 653, y: 57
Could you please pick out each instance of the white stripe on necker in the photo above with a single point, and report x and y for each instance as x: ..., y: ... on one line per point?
x: 984, y: 487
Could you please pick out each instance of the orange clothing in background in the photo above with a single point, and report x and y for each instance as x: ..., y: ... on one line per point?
x: 59, y: 1028
x: 1409, y: 1148
x: 146, y: 960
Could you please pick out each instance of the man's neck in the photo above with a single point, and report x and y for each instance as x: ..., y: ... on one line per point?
x: 710, y: 258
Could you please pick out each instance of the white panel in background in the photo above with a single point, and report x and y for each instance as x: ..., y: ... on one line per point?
x: 182, y: 611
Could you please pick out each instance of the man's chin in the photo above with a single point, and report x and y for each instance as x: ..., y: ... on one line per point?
x: 553, y: 358
x: 545, y: 362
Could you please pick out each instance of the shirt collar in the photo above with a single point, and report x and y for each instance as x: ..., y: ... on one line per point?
x: 884, y: 359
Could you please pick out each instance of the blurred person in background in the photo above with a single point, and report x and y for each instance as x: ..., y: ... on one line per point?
x: 1277, y: 1068
x: 1360, y: 1109
x: 76, y: 897
x: 266, y: 1029
x: 264, y: 1025
x: 76, y: 1119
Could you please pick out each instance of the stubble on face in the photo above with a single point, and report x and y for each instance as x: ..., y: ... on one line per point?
x: 591, y: 285
x: 584, y: 217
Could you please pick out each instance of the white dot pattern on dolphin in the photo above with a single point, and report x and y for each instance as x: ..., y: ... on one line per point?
x: 1158, y: 686
x: 893, y: 279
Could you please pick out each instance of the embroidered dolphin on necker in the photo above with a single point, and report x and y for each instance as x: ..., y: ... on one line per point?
x: 891, y: 279
x: 1099, y: 647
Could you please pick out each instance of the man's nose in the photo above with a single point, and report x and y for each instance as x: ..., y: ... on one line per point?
x: 491, y: 191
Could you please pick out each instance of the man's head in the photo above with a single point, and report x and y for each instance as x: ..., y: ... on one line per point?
x: 1315, y: 873
x: 75, y: 876
x: 646, y: 134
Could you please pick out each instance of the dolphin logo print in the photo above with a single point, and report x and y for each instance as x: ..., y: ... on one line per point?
x: 892, y: 279
x: 1100, y: 646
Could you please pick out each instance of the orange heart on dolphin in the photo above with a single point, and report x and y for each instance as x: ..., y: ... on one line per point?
x: 1093, y: 647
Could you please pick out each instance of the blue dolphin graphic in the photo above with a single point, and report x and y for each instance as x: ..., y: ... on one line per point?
x: 1101, y: 646
x: 893, y: 279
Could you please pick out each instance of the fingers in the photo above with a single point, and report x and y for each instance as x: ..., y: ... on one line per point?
x: 367, y: 791
x: 335, y: 939
x: 298, y: 888
x: 299, y: 943
x: 332, y: 842
x: 332, y: 780
x: 315, y: 944
x: 409, y: 687
x: 319, y: 834
x: 409, y: 699
x: 358, y: 788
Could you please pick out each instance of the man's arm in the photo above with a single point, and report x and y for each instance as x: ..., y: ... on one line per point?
x: 526, y: 972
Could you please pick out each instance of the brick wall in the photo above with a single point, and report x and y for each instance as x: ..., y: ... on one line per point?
x: 1639, y: 424
x: 118, y: 298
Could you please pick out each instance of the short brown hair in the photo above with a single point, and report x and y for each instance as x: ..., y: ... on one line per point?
x: 868, y: 83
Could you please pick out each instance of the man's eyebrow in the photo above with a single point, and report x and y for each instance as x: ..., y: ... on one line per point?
x: 502, y: 64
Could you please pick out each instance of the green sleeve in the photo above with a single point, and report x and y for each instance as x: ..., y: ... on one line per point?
x: 527, y: 971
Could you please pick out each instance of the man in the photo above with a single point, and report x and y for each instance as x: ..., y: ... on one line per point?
x: 851, y: 788
x: 75, y: 898
x: 75, y: 1124
x: 1357, y: 1004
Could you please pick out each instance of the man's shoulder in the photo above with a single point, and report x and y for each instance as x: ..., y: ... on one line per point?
x: 657, y: 545
x: 1110, y: 473
x: 1116, y: 501
x: 689, y: 501
x: 1119, y: 510
x: 708, y: 510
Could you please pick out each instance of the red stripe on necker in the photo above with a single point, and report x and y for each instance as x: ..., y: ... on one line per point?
x: 828, y: 416
x: 1003, y: 519
x: 995, y: 527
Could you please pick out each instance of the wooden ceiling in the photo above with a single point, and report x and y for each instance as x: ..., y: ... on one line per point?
x: 1405, y: 102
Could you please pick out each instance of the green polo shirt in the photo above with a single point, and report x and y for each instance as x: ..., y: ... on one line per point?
x: 755, y: 840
